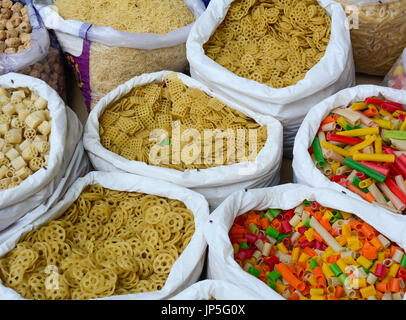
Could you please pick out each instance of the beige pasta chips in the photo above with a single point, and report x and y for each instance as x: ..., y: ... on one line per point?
x: 106, y: 243
x: 136, y: 16
x: 25, y: 128
x: 171, y: 125
x: 272, y: 42
x: 377, y: 33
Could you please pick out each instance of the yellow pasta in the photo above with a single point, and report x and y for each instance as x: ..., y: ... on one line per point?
x: 377, y: 30
x: 170, y: 125
x: 106, y: 243
x: 272, y: 42
x: 136, y: 16
x: 25, y: 128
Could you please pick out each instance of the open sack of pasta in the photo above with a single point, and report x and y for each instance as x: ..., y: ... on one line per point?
x: 25, y: 45
x: 278, y: 58
x: 213, y: 290
x: 300, y: 243
x: 112, y: 236
x: 41, y: 152
x: 168, y: 126
x: 354, y: 142
x: 377, y: 29
x: 109, y: 42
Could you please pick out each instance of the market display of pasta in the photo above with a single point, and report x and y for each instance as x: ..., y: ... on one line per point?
x: 25, y: 127
x: 377, y: 29
x: 317, y: 253
x: 362, y: 147
x: 106, y: 243
x: 127, y: 125
x: 15, y: 27
x: 272, y: 42
x: 109, y: 66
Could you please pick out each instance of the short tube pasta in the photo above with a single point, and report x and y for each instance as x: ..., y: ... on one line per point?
x: 25, y: 128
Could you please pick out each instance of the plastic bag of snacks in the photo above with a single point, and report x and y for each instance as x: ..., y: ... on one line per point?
x: 295, y: 242
x: 377, y: 29
x: 50, y: 69
x: 213, y: 290
x: 109, y: 42
x: 259, y: 61
x: 25, y: 45
x: 168, y: 126
x: 146, y: 239
x: 396, y: 77
x: 24, y: 39
x: 39, y: 156
x: 359, y: 147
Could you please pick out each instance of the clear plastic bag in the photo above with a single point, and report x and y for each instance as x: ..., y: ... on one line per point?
x: 51, y: 70
x: 13, y: 62
x: 103, y: 58
x: 396, y: 77
x: 377, y: 33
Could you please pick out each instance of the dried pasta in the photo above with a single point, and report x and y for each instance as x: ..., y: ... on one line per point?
x: 377, y: 29
x: 106, y: 243
x: 143, y: 126
x: 136, y: 16
x: 25, y: 128
x: 272, y: 42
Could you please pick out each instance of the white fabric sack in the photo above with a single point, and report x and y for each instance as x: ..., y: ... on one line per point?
x: 217, y: 182
x: 112, y: 37
x: 221, y: 263
x: 65, y: 136
x: 289, y: 105
x: 187, y: 268
x: 217, y: 289
x: 90, y: 50
x: 11, y: 62
x: 304, y: 170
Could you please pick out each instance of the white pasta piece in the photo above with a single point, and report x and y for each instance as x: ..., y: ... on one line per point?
x: 17, y: 96
x: 44, y: 128
x: 20, y: 106
x: 24, y: 172
x: 25, y: 144
x: 18, y: 163
x: 36, y: 164
x: 47, y: 115
x: 17, y: 123
x: 23, y: 114
x: 41, y: 146
x: 33, y: 120
x: 9, y: 109
x: 39, y: 138
x: 3, y: 171
x: 14, y: 136
x: 12, y: 154
x: 4, y: 93
x: 4, y: 128
x: 4, y: 100
x: 29, y: 153
x: 2, y: 143
x: 40, y: 103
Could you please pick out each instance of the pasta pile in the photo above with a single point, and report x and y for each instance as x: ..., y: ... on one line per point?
x: 377, y: 30
x: 15, y: 27
x: 106, y: 243
x: 272, y: 42
x: 25, y: 127
x: 136, y: 16
x: 126, y: 126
